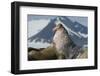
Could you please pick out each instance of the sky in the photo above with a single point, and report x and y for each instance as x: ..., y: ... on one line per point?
x: 82, y: 20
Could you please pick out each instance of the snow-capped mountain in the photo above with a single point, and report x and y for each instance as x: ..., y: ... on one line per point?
x: 77, y: 32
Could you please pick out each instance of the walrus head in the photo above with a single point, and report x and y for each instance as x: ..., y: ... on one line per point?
x: 59, y: 26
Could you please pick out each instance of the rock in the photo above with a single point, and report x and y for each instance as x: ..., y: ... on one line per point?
x: 44, y: 54
x: 83, y: 55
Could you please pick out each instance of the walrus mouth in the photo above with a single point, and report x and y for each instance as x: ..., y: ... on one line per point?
x: 54, y: 29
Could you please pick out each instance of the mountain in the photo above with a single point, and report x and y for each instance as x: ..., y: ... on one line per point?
x: 77, y: 31
x: 45, y: 34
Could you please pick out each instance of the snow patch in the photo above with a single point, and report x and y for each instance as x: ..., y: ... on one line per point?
x: 83, y: 35
x: 40, y: 44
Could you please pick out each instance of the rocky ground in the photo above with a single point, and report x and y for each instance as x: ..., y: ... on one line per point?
x: 49, y: 53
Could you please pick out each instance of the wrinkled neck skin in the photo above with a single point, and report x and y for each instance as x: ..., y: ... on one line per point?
x: 63, y: 43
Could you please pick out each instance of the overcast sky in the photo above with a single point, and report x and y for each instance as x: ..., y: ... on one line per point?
x: 82, y: 20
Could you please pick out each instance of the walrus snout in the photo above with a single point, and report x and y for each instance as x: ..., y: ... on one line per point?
x: 54, y: 29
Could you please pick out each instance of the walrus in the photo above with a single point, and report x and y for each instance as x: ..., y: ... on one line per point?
x: 65, y: 47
